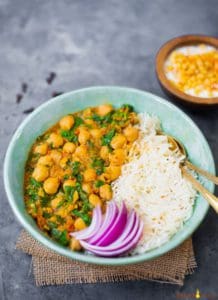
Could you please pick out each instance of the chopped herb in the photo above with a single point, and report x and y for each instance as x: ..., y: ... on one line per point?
x: 98, y: 164
x: 69, y: 135
x: 69, y: 191
x: 102, y: 120
x: 79, y: 178
x: 83, y: 196
x: 66, y: 176
x: 60, y: 236
x: 45, y: 201
x: 32, y: 190
x: 84, y: 216
x: 128, y: 107
x: 46, y: 215
x: 52, y: 225
x: 75, y: 168
x: 60, y: 203
x: 99, y: 183
x: 60, y: 220
x: 106, y: 139
x: 77, y: 122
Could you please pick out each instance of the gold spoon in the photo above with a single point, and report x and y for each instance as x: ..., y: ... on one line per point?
x: 176, y: 144
x: 212, y: 199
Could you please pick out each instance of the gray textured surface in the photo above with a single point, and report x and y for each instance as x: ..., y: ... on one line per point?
x: 93, y: 43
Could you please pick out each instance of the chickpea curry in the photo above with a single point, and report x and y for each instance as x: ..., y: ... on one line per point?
x: 71, y: 166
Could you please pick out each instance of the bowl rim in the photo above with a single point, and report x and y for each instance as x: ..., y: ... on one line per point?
x: 88, y: 258
x: 161, y: 56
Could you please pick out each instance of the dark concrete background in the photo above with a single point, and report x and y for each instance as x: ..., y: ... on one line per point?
x: 93, y: 43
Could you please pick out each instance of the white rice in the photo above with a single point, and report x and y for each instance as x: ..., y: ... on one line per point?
x: 152, y: 184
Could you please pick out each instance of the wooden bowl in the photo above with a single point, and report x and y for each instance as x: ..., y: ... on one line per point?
x: 167, y: 86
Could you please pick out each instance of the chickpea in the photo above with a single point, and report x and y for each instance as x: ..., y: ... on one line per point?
x: 41, y: 149
x: 51, y: 185
x: 40, y: 173
x: 104, y: 152
x: 55, y: 202
x: 104, y: 109
x: 62, y: 211
x: 96, y: 133
x: 69, y: 182
x: 114, y: 172
x: 75, y: 244
x: 90, y: 122
x: 89, y: 175
x: 117, y: 157
x: 105, y: 192
x: 63, y: 162
x: 118, y: 141
x: 104, y: 177
x: 45, y: 160
x: 69, y: 147
x: 131, y: 133
x: 87, y: 188
x: 84, y: 136
x: 95, y: 200
x: 56, y: 156
x: 66, y: 122
x: 81, y: 151
x: 79, y: 224
x: 56, y: 140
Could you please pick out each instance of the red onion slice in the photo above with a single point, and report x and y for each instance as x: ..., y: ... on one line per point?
x: 114, y: 231
x: 110, y: 216
x: 93, y: 228
x: 119, y: 243
x: 119, y: 251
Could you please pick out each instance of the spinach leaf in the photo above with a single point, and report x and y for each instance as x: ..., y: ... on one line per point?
x: 98, y: 164
x: 77, y: 122
x: 32, y: 190
x: 60, y: 236
x: 75, y: 168
x: 35, y: 183
x: 84, y: 216
x: 106, y: 139
x: 127, y: 107
x: 69, y: 135
x: 45, y: 200
x: 99, y: 183
x: 69, y: 191
x: 46, y: 215
x: 52, y: 225
x: 102, y: 120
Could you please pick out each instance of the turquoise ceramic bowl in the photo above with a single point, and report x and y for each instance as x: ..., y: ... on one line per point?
x: 174, y: 122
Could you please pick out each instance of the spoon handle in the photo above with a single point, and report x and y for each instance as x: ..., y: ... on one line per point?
x: 211, y: 199
x: 206, y: 174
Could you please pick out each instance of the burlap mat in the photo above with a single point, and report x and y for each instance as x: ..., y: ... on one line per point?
x: 50, y: 268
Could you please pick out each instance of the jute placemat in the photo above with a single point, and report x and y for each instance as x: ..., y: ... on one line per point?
x: 50, y: 268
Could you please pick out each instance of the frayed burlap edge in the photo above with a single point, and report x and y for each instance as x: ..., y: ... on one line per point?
x: 50, y: 268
